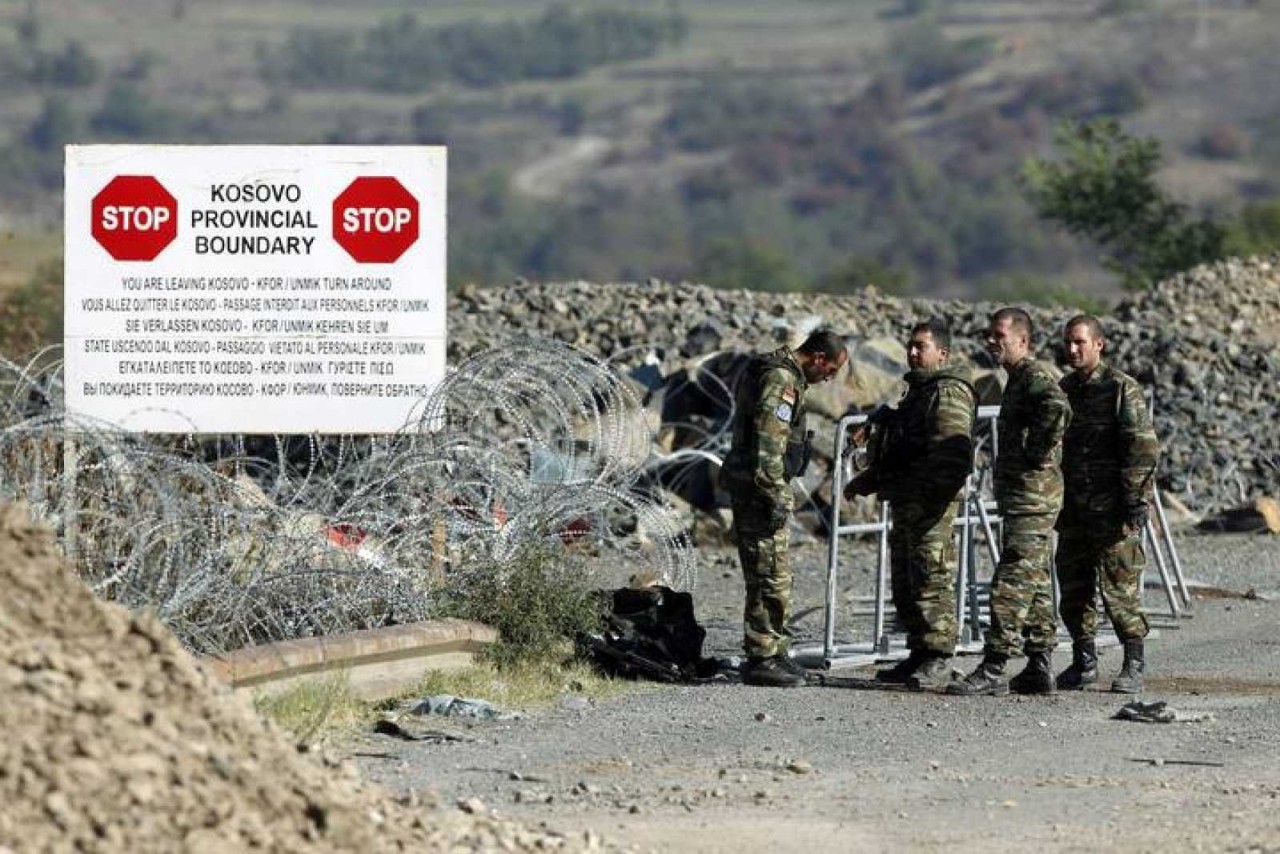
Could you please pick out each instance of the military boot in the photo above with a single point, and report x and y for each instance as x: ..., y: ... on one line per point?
x: 1084, y: 667
x: 793, y: 665
x: 987, y: 678
x: 772, y: 672
x: 1036, y: 677
x: 899, y: 673
x: 934, y: 673
x: 1129, y: 679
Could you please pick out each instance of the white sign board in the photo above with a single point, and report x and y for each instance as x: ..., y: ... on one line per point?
x: 254, y: 289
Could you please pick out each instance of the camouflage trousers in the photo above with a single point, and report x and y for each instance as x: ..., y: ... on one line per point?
x: 1097, y: 560
x: 1022, y: 615
x: 922, y: 576
x: 767, y: 573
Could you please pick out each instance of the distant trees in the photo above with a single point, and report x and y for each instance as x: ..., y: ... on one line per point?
x: 1104, y: 189
x: 926, y: 57
x: 401, y: 55
x: 128, y: 112
x: 726, y: 107
x: 73, y: 66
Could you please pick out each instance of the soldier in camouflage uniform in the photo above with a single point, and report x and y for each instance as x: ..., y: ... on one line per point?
x: 920, y: 460
x: 1034, y: 413
x: 1109, y: 459
x: 769, y: 448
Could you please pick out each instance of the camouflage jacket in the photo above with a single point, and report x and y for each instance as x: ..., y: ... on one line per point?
x: 768, y: 416
x: 1110, y: 448
x: 1034, y: 413
x: 926, y: 449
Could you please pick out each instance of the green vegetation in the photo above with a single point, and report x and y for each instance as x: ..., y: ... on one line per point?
x: 1105, y: 189
x: 325, y: 710
x: 1256, y: 231
x: 524, y: 686
x: 538, y: 599
x: 925, y: 56
x: 401, y: 55
x: 31, y: 314
x: 316, y: 710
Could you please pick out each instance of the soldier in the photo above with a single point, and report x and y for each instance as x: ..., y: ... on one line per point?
x: 920, y: 459
x: 770, y: 446
x: 1109, y: 459
x: 1028, y: 489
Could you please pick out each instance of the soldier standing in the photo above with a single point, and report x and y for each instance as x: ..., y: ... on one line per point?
x: 769, y: 448
x: 1109, y: 459
x: 920, y: 460
x: 1034, y: 414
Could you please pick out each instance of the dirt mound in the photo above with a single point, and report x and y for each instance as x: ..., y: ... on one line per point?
x: 115, y: 739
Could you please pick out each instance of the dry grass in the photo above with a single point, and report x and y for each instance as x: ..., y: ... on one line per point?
x: 22, y: 252
x: 324, y: 711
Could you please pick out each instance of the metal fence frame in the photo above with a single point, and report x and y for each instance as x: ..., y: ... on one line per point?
x: 977, y: 516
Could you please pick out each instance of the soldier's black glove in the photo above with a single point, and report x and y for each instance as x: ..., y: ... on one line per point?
x: 1136, y: 518
x: 864, y: 483
x: 778, y: 516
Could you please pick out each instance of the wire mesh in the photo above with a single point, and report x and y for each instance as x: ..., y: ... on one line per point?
x: 237, y: 540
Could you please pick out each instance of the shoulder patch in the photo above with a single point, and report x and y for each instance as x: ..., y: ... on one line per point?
x: 789, y: 396
x: 783, y: 412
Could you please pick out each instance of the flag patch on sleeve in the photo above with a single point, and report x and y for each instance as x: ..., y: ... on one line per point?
x: 789, y: 396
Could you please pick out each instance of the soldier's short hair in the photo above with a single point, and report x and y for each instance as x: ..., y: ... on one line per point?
x: 824, y: 341
x: 1018, y: 319
x: 936, y: 327
x: 1088, y: 321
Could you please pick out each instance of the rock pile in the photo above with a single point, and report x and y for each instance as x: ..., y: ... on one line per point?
x: 1202, y: 343
x: 116, y: 740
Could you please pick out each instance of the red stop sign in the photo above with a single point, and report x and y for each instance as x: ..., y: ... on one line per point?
x: 375, y: 219
x: 134, y: 218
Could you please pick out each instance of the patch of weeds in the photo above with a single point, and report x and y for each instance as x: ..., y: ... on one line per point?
x: 538, y: 599
x: 523, y: 685
x: 315, y: 711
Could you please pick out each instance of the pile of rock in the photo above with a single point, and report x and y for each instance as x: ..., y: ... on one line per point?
x: 1202, y: 342
x: 116, y: 740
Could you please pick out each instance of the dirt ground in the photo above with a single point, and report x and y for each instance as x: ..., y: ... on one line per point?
x: 846, y: 766
x: 116, y: 740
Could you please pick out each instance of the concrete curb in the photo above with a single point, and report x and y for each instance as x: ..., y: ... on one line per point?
x: 377, y: 663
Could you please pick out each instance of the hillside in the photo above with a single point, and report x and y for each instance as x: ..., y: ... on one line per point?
x: 819, y: 144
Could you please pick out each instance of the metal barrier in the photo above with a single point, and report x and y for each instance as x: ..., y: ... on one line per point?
x: 976, y: 522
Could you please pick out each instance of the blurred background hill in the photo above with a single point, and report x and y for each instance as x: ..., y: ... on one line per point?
x: 804, y: 145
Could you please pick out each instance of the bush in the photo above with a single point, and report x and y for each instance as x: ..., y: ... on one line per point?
x: 1223, y: 141
x: 538, y: 600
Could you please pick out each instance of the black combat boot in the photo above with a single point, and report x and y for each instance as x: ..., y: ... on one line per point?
x: 987, y: 678
x: 1036, y: 677
x: 1084, y: 667
x: 773, y: 672
x: 899, y: 673
x: 1129, y: 679
x: 792, y: 665
x: 934, y: 673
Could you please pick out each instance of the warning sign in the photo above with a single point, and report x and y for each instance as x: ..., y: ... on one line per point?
x: 254, y: 289
x: 375, y: 219
x: 134, y: 218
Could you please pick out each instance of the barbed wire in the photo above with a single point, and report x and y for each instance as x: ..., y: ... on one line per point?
x: 236, y: 540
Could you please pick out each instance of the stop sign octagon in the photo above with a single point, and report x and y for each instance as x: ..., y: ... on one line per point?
x: 134, y: 217
x: 375, y: 219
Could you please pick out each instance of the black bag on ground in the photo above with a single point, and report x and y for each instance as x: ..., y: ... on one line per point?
x: 650, y: 633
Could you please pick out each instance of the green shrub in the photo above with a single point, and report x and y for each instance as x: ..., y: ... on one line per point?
x: 538, y: 599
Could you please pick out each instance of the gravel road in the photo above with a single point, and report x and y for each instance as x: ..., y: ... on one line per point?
x: 845, y: 766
